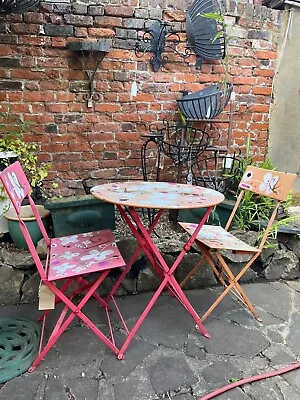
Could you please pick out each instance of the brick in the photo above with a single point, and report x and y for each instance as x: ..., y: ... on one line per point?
x: 9, y: 39
x: 34, y: 18
x: 133, y: 23
x: 108, y: 108
x: 96, y: 10
x: 109, y: 22
x: 51, y: 128
x: 142, y: 13
x: 264, y: 72
x: 9, y: 62
x: 10, y: 85
x: 79, y: 9
x: 62, y: 8
x: 79, y: 20
x: 119, y: 11
x: 266, y: 55
x: 81, y: 32
x: 254, y: 34
x: 55, y: 30
x: 262, y: 90
x: 58, y: 42
x: 101, y: 32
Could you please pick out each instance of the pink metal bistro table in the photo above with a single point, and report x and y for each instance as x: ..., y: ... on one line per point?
x: 133, y: 195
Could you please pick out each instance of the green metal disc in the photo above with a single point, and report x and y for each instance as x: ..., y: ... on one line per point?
x: 19, y: 344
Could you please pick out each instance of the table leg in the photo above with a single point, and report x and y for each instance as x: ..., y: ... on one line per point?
x: 166, y: 273
x: 137, y: 251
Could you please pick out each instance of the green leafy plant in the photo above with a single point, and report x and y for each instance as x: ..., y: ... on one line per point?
x: 12, y: 132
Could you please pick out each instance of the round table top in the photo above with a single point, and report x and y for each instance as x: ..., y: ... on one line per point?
x: 162, y: 195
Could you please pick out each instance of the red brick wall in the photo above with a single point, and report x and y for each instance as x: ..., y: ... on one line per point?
x: 42, y: 82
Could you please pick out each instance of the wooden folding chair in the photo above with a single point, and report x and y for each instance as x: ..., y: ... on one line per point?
x: 70, y: 259
x: 213, y: 239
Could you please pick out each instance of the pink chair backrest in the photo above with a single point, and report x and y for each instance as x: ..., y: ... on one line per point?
x: 15, y: 184
x: 17, y: 187
x: 268, y: 183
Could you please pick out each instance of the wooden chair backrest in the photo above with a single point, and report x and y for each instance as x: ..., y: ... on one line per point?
x: 268, y: 183
x: 263, y: 182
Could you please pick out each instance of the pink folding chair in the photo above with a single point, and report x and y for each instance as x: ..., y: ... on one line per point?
x: 69, y: 259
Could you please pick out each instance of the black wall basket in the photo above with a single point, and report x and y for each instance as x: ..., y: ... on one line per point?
x: 205, y: 104
x: 201, y: 31
x: 182, y: 143
x: 218, y: 172
x: 16, y: 6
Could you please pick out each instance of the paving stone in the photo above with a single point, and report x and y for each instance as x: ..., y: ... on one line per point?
x: 84, y: 389
x: 220, y: 373
x: 278, y: 355
x: 293, y: 338
x: 195, y: 348
x: 167, y: 325
x: 203, y: 299
x: 171, y: 373
x: 229, y: 338
x: 135, y: 389
x: 56, y: 390
x: 185, y: 396
x: 234, y: 394
x: 293, y: 378
x: 105, y: 391
x: 21, y: 388
x: 274, y: 336
x: 271, y: 389
x: 263, y: 294
x: 78, y: 346
x: 297, y: 300
x: 245, y: 318
x: 115, y: 369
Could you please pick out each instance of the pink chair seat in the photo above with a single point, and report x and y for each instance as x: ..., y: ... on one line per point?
x: 83, y: 253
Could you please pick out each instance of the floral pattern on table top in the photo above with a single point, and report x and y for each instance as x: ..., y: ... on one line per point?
x: 83, y: 253
x: 157, y: 195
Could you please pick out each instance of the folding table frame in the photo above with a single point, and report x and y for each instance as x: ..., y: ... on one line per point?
x: 145, y: 243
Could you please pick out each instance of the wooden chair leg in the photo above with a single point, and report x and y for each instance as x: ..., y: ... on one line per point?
x: 192, y: 272
x: 234, y: 281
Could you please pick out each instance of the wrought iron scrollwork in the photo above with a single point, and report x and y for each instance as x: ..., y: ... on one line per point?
x: 16, y: 6
x: 155, y: 40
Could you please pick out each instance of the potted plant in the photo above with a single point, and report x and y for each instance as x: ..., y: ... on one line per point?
x: 12, y: 148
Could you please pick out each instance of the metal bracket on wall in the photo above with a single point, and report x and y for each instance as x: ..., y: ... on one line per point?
x: 92, y: 53
x: 154, y: 40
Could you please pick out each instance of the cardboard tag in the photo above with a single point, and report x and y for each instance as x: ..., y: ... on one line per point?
x: 46, y: 298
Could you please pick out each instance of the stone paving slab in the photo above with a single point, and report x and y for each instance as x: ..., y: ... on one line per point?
x: 169, y: 359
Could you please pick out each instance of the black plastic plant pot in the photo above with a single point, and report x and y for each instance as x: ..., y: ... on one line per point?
x: 205, y: 104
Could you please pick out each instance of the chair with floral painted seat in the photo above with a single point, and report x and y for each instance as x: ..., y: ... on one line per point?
x: 212, y: 240
x: 70, y: 260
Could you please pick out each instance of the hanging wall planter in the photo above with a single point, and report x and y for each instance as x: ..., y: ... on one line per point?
x: 205, y: 104
x: 205, y: 36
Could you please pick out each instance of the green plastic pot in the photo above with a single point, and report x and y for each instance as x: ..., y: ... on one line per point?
x: 218, y: 217
x: 31, y: 223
